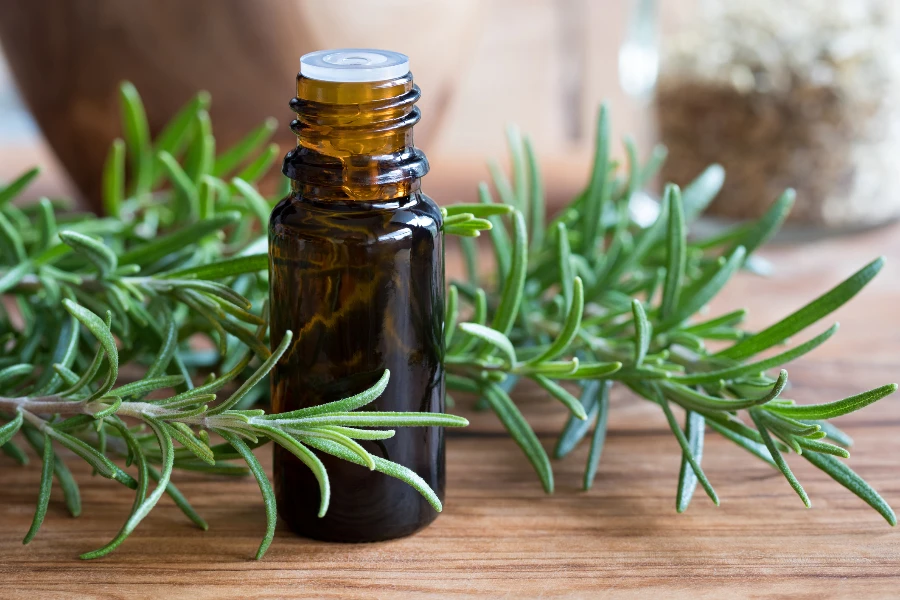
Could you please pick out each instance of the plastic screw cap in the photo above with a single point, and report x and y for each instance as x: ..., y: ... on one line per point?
x: 354, y: 65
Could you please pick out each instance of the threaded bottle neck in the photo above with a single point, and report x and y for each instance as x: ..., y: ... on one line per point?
x: 355, y: 140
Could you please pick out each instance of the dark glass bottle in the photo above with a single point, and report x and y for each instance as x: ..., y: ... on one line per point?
x: 356, y: 265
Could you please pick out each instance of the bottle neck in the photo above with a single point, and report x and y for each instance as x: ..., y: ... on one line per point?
x: 355, y: 140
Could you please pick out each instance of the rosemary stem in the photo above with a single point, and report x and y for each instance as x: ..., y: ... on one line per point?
x: 43, y: 404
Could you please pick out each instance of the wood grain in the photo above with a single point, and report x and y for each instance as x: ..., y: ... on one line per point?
x: 500, y: 536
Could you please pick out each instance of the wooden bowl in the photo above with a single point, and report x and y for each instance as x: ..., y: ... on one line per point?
x: 69, y: 57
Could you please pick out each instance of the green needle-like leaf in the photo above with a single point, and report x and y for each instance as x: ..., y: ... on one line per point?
x: 183, y: 184
x: 63, y: 356
x: 161, y: 247
x: 261, y: 372
x: 756, y: 448
x: 377, y: 419
x: 184, y: 436
x: 478, y: 210
x: 645, y: 242
x: 560, y: 393
x: 101, y: 331
x: 598, y: 438
x: 10, y: 429
x: 198, y: 160
x: 44, y: 492
x: 16, y: 186
x: 569, y: 329
x: 757, y: 367
x: 348, y: 404
x: 493, y: 337
x: 46, y: 222
x: 536, y: 208
x: 265, y: 487
x: 576, y: 428
x: 144, y: 508
x: 499, y: 235
x: 771, y: 222
x: 598, y: 190
x: 382, y: 466
x: 657, y: 157
x: 241, y: 151
x: 699, y: 298
x: 14, y: 452
x: 694, y: 429
x: 823, y: 447
x: 853, y: 482
x: 114, y: 179
x: 521, y: 432
x: 778, y: 458
x: 10, y: 242
x: 257, y: 203
x: 309, y: 459
x: 520, y: 174
x: 92, y: 456
x: 806, y: 316
x: 592, y: 371
x: 642, y: 332
x: 451, y: 314
x: 699, y: 401
x: 137, y: 137
x: 633, y: 182
x: 676, y: 252
x: 71, y: 493
x: 700, y: 192
x: 260, y: 165
x: 13, y: 372
x: 564, y: 257
x: 94, y: 250
x: 503, y: 185
x: 513, y: 289
x: 835, y: 409
x: 174, y: 135
x: 13, y: 276
x: 346, y: 442
x: 223, y: 269
x: 180, y: 501
x: 206, y: 197
x: 687, y: 452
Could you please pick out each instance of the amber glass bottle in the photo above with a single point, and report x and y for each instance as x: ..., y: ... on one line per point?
x: 356, y: 265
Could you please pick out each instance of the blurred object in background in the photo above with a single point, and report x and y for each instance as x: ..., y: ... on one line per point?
x: 69, y: 57
x: 638, y: 71
x: 543, y: 65
x: 802, y: 94
x: 639, y: 52
x: 21, y: 146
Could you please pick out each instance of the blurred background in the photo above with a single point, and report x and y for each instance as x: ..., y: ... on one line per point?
x: 803, y: 94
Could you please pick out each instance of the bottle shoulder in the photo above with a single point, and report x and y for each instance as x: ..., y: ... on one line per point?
x: 410, y: 216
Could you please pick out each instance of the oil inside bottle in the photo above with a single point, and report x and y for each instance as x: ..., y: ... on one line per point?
x: 357, y: 273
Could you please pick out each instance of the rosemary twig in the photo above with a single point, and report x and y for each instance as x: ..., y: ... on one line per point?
x: 181, y: 255
x: 601, y: 300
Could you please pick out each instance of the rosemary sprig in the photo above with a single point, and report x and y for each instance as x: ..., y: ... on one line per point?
x: 599, y: 301
x: 181, y: 254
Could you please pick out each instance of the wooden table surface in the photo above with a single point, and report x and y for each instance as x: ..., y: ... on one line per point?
x: 500, y: 536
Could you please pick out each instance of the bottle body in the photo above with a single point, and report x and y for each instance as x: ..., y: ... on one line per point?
x: 361, y: 285
x: 357, y: 274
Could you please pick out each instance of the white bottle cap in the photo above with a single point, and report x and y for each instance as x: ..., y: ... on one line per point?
x: 354, y: 65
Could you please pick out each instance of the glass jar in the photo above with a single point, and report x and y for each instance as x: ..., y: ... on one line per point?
x: 799, y: 94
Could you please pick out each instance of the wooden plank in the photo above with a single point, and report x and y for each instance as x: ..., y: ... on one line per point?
x: 500, y: 535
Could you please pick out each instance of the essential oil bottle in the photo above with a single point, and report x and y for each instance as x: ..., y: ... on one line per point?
x: 356, y: 264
